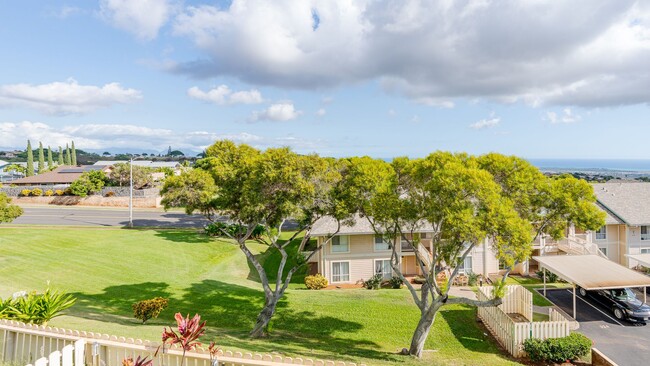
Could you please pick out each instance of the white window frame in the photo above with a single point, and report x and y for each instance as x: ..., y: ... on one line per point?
x: 386, y: 276
x: 339, y: 237
x: 332, y: 273
x: 646, y: 235
x: 644, y: 250
x: 601, y: 234
x: 383, y: 242
x: 603, y: 250
x: 463, y: 268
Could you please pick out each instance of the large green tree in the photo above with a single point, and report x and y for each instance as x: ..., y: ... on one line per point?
x: 89, y: 182
x: 254, y: 188
x: 61, y: 161
x: 68, y: 160
x: 451, y: 196
x: 120, y: 175
x: 73, y: 156
x: 50, y: 161
x: 30, y: 159
x: 41, y: 158
x: 8, y: 212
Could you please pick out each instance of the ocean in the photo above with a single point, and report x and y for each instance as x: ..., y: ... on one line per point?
x: 624, y: 165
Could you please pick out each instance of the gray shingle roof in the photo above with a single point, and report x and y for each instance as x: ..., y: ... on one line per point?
x: 628, y: 201
x: 327, y: 225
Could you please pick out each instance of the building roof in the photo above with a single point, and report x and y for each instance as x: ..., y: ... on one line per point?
x: 643, y: 259
x: 145, y: 163
x: 64, y: 174
x: 579, y: 269
x: 3, y: 163
x: 629, y: 201
x: 327, y: 225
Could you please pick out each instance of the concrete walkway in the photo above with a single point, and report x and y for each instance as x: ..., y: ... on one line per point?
x: 462, y: 291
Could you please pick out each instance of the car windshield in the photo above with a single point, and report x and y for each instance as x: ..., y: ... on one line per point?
x: 623, y: 294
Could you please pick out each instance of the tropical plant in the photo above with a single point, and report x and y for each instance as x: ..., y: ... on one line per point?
x: 395, y: 282
x: 189, y: 331
x: 148, y: 309
x: 472, y: 279
x: 37, y: 308
x: 373, y: 283
x: 139, y: 361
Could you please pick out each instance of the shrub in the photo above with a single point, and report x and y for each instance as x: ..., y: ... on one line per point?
x: 59, y: 192
x: 36, y: 308
x: 472, y: 279
x: 373, y: 283
x: 49, y: 193
x: 148, y: 309
x: 316, y: 282
x: 395, y: 282
x: 37, y: 192
x: 568, y: 348
x: 25, y: 192
x: 550, y: 276
x: 88, y: 183
x: 109, y: 194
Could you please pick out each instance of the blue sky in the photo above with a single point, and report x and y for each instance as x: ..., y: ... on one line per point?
x: 539, y: 79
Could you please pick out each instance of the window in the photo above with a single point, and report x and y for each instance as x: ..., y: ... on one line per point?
x: 383, y: 268
x: 466, y: 267
x: 427, y: 235
x: 341, y: 244
x: 340, y: 271
x: 645, y: 233
x: 601, y: 234
x: 603, y: 250
x: 381, y: 243
x: 645, y: 250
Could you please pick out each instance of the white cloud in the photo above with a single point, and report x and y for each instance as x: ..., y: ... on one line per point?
x: 277, y: 112
x: 135, y: 138
x: 143, y: 18
x: 321, y: 112
x: 567, y: 116
x: 440, y: 51
x: 61, y: 98
x: 67, y: 11
x: 486, y: 123
x: 222, y: 95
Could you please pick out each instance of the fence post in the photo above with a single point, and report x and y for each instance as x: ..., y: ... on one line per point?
x: 41, y: 362
x: 55, y: 359
x: 79, y: 352
x: 9, y: 347
x: 68, y: 359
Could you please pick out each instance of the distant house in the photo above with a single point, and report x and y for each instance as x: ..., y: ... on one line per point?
x: 174, y: 165
x: 63, y: 176
x: 355, y: 254
x: 10, y: 176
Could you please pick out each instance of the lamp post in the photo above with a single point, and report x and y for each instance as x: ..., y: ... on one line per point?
x: 131, y: 192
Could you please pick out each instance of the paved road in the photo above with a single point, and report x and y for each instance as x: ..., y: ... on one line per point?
x: 624, y: 342
x: 98, y: 216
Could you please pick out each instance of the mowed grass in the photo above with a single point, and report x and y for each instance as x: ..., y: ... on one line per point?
x: 531, y: 284
x: 110, y: 269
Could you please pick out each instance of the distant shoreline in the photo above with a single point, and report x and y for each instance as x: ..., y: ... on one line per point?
x: 640, y: 166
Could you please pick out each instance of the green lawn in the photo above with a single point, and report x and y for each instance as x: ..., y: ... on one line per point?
x: 531, y: 284
x: 109, y: 269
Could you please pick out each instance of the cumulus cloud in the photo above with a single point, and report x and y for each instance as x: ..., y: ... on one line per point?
x: 143, y: 18
x: 222, y: 95
x: 486, y: 123
x: 567, y: 116
x: 321, y: 112
x: 136, y: 138
x: 277, y: 112
x: 61, y: 98
x: 434, y: 52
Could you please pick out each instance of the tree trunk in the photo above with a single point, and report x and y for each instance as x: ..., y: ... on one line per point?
x: 422, y: 331
x: 264, y: 317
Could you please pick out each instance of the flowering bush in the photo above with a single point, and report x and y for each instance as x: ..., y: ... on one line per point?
x: 316, y: 282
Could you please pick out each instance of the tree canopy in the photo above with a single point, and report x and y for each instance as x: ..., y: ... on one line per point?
x: 8, y: 212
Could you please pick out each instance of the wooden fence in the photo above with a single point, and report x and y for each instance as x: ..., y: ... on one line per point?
x: 511, y: 334
x: 31, y: 344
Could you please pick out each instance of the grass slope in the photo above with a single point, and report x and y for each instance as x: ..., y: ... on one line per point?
x: 109, y: 269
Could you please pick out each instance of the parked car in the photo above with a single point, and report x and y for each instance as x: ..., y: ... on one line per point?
x: 622, y: 302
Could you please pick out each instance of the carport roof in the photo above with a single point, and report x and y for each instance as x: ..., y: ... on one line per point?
x: 592, y: 272
x: 644, y: 259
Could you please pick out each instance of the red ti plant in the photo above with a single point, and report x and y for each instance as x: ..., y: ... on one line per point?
x: 214, y: 350
x: 138, y: 361
x: 189, y: 331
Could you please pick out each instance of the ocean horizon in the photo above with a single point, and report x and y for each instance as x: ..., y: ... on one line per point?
x: 626, y: 165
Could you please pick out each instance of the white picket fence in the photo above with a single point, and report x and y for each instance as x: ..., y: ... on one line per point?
x: 70, y: 355
x: 510, y: 334
x: 38, y: 345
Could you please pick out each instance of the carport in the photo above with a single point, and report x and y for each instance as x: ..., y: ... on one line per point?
x: 591, y: 272
x: 643, y: 259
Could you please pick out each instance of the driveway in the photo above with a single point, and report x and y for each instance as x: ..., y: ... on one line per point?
x: 624, y: 342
